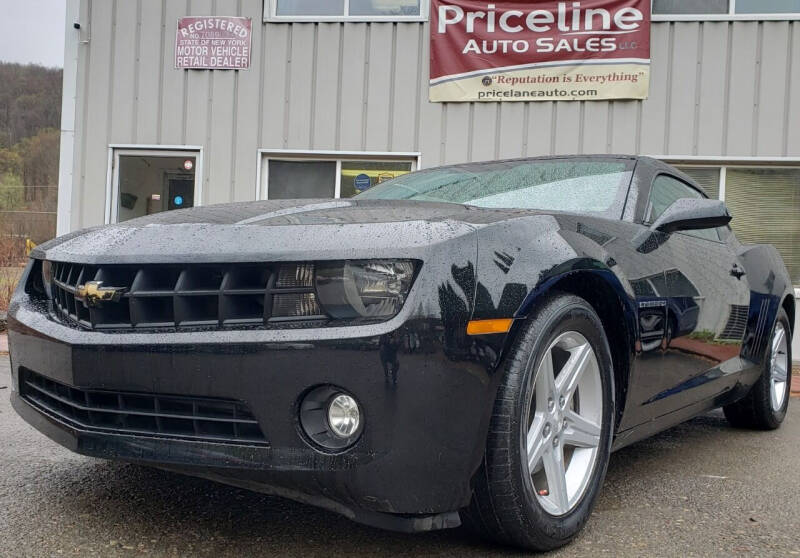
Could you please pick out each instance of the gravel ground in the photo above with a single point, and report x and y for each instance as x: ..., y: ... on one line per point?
x: 701, y: 489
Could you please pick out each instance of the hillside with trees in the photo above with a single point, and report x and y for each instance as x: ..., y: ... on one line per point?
x: 30, y: 117
x: 30, y: 101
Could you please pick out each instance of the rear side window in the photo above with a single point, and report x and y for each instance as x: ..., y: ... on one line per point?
x: 665, y: 191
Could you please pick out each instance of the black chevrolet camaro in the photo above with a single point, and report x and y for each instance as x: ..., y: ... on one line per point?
x: 464, y: 343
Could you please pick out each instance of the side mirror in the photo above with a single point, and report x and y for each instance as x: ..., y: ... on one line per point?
x: 692, y: 214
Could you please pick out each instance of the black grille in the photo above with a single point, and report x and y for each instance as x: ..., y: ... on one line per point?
x: 186, y: 296
x: 144, y: 414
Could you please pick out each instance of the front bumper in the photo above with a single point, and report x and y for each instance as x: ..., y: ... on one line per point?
x: 426, y: 408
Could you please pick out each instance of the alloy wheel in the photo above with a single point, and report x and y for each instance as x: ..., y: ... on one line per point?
x: 778, y: 368
x: 564, y: 423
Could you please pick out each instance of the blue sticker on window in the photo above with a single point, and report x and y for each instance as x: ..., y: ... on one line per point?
x: 362, y: 182
x: 178, y: 200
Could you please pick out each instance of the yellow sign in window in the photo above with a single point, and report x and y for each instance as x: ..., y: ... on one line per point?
x: 358, y: 176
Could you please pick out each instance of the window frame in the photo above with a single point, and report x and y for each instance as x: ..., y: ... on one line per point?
x: 271, y: 15
x: 721, y: 171
x: 115, y: 150
x: 649, y: 207
x: 647, y: 222
x: 311, y: 156
x: 730, y: 16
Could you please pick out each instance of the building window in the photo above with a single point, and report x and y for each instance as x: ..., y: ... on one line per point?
x: 771, y: 7
x: 357, y: 176
x: 684, y: 7
x: 725, y: 9
x: 345, y: 10
x: 764, y: 203
x: 301, y: 179
x: 292, y: 175
x: 146, y: 181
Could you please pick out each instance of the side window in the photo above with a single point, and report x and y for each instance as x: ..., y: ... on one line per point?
x: 667, y: 189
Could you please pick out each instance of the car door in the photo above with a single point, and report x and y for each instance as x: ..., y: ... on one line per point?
x: 692, y: 313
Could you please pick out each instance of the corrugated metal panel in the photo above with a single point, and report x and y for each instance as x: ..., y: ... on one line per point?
x: 711, y: 87
x: 94, y: 127
x: 717, y: 88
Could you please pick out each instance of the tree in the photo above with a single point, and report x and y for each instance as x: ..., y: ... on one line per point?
x: 39, y: 158
x: 10, y: 162
x: 11, y: 192
x: 30, y: 99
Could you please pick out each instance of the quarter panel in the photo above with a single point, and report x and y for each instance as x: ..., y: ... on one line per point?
x: 769, y: 284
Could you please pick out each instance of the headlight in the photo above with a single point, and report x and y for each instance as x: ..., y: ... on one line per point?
x: 363, y: 289
x: 47, y: 277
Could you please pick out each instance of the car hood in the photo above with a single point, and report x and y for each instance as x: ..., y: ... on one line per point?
x: 278, y: 230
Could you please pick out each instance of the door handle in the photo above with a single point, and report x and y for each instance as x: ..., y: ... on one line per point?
x: 737, y: 271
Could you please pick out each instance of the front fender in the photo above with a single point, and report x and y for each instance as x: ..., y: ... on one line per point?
x: 521, y: 260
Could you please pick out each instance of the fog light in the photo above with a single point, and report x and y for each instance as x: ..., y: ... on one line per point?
x: 344, y: 415
x: 330, y: 418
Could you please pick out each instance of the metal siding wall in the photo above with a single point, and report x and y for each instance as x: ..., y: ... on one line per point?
x: 247, y: 110
x: 327, y: 75
x: 712, y: 87
x: 148, y: 91
x: 79, y: 148
x: 172, y: 94
x: 771, y: 89
x: 541, y: 128
x: 717, y: 88
x: 681, y: 95
x: 352, y: 86
x: 124, y: 71
x: 96, y: 116
x: 406, y: 81
x: 510, y: 140
x: 299, y: 91
x: 655, y: 113
x: 792, y: 111
x: 742, y: 106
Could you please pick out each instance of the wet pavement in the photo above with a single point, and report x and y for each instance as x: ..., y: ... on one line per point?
x: 700, y: 489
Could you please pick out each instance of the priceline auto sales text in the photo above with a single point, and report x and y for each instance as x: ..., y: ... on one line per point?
x: 574, y: 21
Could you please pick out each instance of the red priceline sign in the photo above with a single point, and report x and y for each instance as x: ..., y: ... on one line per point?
x: 539, y: 51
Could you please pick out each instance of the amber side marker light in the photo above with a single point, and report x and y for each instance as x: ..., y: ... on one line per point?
x: 482, y: 327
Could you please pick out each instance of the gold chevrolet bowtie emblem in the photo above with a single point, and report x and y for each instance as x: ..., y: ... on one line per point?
x: 92, y: 293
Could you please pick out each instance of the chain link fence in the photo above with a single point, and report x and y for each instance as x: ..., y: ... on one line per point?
x: 28, y: 212
x: 27, y: 218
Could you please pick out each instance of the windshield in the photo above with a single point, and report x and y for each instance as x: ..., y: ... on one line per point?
x: 589, y: 185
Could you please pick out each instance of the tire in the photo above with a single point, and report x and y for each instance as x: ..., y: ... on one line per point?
x: 506, y: 506
x: 757, y: 410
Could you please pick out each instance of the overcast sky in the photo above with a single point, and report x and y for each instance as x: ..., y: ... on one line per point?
x: 32, y: 31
